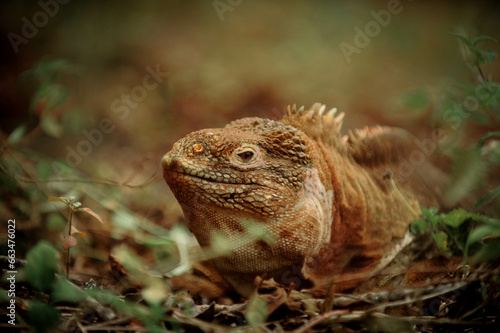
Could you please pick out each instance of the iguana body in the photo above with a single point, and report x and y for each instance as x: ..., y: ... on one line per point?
x: 324, y: 200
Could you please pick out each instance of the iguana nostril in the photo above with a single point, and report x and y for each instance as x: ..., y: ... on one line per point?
x: 197, y: 148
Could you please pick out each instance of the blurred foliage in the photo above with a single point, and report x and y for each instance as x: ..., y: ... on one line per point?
x: 42, y: 265
x: 41, y: 270
x: 477, y: 56
x: 256, y: 311
x: 461, y: 233
x: 43, y: 317
x: 468, y: 111
x: 50, y: 77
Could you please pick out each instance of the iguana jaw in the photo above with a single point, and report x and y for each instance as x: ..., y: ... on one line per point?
x: 173, y: 166
x: 193, y: 185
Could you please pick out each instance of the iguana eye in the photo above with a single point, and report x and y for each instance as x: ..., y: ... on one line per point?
x: 246, y: 156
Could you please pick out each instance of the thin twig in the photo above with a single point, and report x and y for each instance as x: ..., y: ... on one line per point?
x: 406, y: 301
x: 480, y: 71
x: 70, y: 221
x: 30, y: 179
x: 336, y: 314
x: 400, y: 195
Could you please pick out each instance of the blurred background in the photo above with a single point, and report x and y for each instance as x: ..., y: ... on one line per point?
x: 99, y: 91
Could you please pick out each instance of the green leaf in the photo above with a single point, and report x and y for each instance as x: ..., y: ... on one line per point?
x: 462, y: 38
x: 441, y: 239
x: 67, y: 292
x: 478, y: 234
x: 43, y: 317
x: 418, y: 226
x: 456, y: 217
x: 4, y: 297
x: 60, y: 199
x: 256, y: 312
x: 488, y: 136
x: 484, y: 231
x: 17, y: 134
x: 109, y: 297
x: 487, y: 253
x: 55, y: 94
x: 467, y: 171
x: 435, y: 220
x: 41, y: 266
x: 50, y: 126
x: 428, y: 212
x: 482, y: 56
x: 487, y: 56
x: 155, y: 241
x: 47, y: 68
x: 482, y: 38
x: 486, y: 199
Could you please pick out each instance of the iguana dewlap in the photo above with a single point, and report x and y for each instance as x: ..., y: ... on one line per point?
x: 324, y: 201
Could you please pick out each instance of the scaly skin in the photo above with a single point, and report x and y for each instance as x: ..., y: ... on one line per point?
x: 323, y: 201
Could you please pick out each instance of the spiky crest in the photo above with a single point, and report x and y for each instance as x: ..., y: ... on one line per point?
x: 367, y: 146
x: 316, y: 123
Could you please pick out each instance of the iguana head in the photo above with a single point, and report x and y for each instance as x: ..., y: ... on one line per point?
x: 253, y: 172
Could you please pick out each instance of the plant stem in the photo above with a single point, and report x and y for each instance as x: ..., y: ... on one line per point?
x: 480, y: 71
x: 69, y: 234
x: 400, y: 195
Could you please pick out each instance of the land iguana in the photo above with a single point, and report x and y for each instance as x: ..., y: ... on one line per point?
x: 331, y: 205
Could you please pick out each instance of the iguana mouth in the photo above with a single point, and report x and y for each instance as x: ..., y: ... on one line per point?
x: 186, y: 175
x: 172, y: 168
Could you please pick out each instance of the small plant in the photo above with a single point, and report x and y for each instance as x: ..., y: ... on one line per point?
x: 488, y: 238
x: 67, y: 239
x: 51, y: 95
x: 47, y: 312
x: 461, y: 233
x: 478, y: 103
x: 455, y: 109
